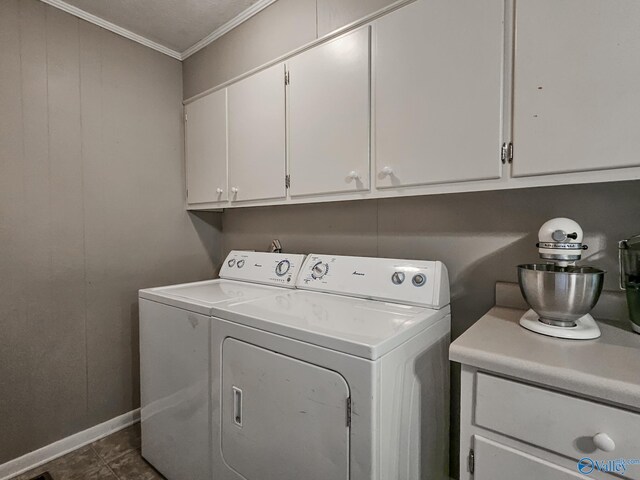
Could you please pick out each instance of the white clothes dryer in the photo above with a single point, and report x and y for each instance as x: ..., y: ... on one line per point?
x: 345, y: 378
x: 175, y: 359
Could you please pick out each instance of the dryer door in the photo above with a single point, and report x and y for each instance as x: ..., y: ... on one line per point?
x: 282, y: 419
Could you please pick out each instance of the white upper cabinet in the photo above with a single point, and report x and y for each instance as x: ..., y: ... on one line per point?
x: 206, y: 148
x: 576, y: 86
x: 438, y: 92
x: 257, y: 151
x: 329, y: 116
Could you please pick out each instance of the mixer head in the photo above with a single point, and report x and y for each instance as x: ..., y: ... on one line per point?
x: 560, y: 240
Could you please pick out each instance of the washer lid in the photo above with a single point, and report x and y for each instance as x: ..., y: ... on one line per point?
x: 200, y: 297
x: 365, y: 328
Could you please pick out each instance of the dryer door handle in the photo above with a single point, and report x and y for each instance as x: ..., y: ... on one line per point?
x: 237, y: 406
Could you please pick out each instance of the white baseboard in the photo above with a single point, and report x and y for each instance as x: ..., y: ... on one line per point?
x: 61, y: 447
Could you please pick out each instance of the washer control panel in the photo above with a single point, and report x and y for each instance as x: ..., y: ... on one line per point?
x: 414, y: 282
x: 279, y: 269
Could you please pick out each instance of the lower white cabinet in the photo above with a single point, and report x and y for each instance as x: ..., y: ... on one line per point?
x: 513, y: 430
x: 494, y: 461
x: 553, y: 420
x: 257, y: 152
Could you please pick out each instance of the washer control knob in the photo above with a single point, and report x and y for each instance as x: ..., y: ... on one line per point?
x: 319, y: 270
x: 231, y: 262
x: 419, y: 279
x: 397, y: 278
x: 283, y: 267
x: 240, y: 263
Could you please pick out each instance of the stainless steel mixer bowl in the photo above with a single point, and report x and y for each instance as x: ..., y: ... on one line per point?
x: 560, y: 295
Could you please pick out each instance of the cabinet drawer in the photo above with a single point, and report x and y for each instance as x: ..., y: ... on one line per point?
x: 499, y: 462
x: 556, y: 422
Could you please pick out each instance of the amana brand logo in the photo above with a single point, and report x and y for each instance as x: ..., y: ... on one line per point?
x: 587, y: 465
x: 358, y: 273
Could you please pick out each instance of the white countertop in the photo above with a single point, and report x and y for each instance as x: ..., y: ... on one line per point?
x: 607, y: 368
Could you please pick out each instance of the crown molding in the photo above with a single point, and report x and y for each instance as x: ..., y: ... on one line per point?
x: 231, y: 24
x: 64, y: 6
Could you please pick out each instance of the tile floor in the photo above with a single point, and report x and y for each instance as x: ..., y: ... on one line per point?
x: 116, y: 457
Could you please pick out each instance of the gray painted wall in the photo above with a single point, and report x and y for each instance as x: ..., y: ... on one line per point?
x: 91, y: 210
x: 481, y: 237
x: 280, y: 28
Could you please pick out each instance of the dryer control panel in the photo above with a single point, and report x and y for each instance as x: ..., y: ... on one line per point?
x: 278, y: 269
x: 413, y: 282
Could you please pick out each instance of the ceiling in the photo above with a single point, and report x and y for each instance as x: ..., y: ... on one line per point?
x: 174, y: 27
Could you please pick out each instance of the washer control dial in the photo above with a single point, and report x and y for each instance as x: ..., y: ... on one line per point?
x: 397, y: 278
x: 231, y: 262
x: 283, y: 267
x: 241, y: 263
x: 319, y: 270
x: 419, y: 279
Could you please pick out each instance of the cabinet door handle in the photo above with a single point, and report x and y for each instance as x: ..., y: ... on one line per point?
x: 237, y: 406
x: 604, y: 442
x: 234, y: 189
x: 353, y: 175
x: 219, y: 190
x: 387, y: 171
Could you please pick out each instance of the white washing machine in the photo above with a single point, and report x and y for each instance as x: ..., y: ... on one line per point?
x: 345, y: 378
x: 175, y: 359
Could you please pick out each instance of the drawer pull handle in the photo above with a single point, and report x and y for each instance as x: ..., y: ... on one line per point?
x: 604, y: 442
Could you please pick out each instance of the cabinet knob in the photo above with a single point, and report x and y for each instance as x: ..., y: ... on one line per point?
x: 219, y: 190
x: 353, y: 175
x: 387, y: 171
x: 234, y: 189
x: 604, y: 442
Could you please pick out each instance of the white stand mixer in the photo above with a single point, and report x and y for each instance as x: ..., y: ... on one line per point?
x: 560, y: 294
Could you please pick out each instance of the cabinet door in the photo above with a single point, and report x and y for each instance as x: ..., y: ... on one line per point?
x: 257, y: 136
x: 329, y: 116
x: 206, y: 148
x: 282, y: 418
x: 576, y: 95
x: 498, y: 462
x: 438, y: 92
